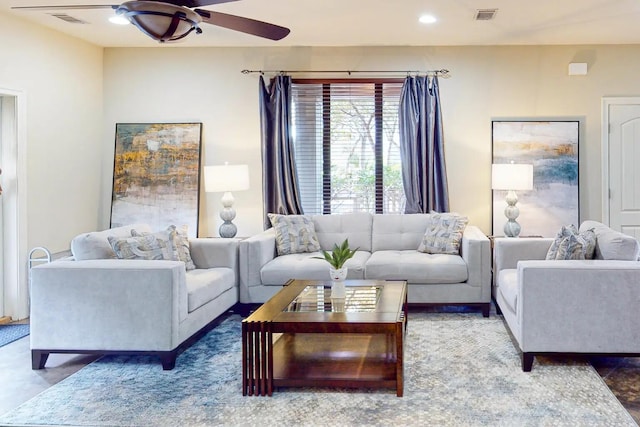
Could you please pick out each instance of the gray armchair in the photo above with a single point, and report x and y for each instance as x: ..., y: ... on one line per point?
x: 574, y: 306
x: 129, y: 306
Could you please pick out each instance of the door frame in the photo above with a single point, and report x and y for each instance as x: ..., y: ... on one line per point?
x: 606, y: 103
x: 14, y: 150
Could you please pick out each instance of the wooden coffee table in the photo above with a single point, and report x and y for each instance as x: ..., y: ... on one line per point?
x: 296, y: 339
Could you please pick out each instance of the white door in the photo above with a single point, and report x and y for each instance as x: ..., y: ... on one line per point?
x: 15, y: 293
x: 621, y: 164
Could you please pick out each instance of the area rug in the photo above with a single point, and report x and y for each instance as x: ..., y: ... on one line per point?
x: 10, y: 333
x: 460, y: 370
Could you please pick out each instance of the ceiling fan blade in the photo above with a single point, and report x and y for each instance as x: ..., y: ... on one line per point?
x: 196, y: 3
x: 244, y: 25
x: 68, y: 7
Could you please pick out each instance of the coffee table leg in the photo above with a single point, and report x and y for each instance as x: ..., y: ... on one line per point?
x: 269, y: 363
x: 399, y: 359
x: 263, y: 359
x: 245, y: 360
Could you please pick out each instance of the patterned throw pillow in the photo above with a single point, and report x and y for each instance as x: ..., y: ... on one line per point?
x: 565, y: 231
x: 294, y: 234
x: 147, y: 247
x: 180, y: 243
x: 570, y: 244
x: 443, y: 234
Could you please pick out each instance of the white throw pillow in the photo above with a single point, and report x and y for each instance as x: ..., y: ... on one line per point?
x: 443, y: 234
x: 294, y: 234
x: 94, y: 245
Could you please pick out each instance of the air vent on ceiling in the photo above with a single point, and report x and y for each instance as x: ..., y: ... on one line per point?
x: 485, y: 14
x: 68, y: 18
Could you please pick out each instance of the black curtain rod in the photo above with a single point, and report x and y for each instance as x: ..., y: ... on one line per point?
x: 442, y: 72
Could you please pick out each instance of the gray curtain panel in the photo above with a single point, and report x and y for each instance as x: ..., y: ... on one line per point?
x: 280, y: 188
x: 424, y: 175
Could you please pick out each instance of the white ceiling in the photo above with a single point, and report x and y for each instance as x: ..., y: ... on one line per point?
x: 377, y: 23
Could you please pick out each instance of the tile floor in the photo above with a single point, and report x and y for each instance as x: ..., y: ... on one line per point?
x: 20, y: 383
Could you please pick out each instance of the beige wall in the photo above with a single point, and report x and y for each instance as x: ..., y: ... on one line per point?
x: 205, y: 84
x: 61, y: 78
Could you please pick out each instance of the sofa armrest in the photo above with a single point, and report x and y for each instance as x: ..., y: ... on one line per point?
x: 476, y: 252
x: 585, y: 306
x: 214, y: 252
x: 107, y: 305
x: 254, y: 253
x: 509, y: 250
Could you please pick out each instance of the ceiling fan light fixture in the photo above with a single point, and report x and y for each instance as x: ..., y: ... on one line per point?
x: 119, y: 20
x: 163, y: 22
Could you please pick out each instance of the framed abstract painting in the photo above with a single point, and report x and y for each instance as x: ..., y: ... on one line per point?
x: 156, y: 175
x: 552, y: 148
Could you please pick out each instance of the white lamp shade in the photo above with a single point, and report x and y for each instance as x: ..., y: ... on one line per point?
x: 510, y: 176
x: 226, y: 178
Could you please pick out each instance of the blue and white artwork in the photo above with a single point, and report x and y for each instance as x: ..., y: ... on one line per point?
x: 552, y: 148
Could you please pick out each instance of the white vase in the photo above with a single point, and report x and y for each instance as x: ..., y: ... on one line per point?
x: 338, y: 274
x: 337, y: 282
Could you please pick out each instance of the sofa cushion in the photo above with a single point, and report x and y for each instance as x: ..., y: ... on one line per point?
x: 443, y: 234
x: 571, y: 244
x: 180, y: 244
x: 183, y: 247
x: 507, y: 282
x: 204, y: 285
x: 416, y: 267
x: 304, y: 266
x: 611, y: 244
x: 398, y: 232
x: 294, y: 234
x: 334, y: 229
x: 94, y: 245
x: 148, y: 246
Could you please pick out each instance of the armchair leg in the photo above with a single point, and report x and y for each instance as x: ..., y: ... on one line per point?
x: 486, y: 308
x: 168, y: 360
x: 38, y: 359
x: 498, y: 309
x: 527, y: 361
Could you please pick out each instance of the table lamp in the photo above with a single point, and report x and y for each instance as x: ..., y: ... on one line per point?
x: 511, y: 177
x: 226, y: 178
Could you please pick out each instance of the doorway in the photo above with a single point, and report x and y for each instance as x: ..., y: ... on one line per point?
x: 620, y: 159
x: 13, y: 227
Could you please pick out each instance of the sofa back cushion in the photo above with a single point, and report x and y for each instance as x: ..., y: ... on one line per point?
x: 611, y: 244
x: 398, y: 232
x: 335, y: 228
x: 95, y: 245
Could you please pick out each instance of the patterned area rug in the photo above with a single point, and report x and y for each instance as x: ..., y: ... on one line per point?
x: 461, y: 369
x: 10, y: 333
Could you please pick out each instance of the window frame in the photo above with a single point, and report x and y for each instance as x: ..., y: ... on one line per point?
x: 326, y: 134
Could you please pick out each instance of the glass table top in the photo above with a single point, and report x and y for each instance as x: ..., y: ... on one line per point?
x: 317, y: 298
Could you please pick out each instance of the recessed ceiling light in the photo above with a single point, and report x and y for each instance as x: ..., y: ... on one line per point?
x: 427, y: 19
x: 119, y: 20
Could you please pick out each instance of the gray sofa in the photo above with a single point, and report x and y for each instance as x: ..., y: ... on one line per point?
x: 570, y: 306
x: 109, y: 305
x: 387, y: 250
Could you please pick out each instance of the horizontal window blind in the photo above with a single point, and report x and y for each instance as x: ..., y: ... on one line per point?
x: 347, y: 147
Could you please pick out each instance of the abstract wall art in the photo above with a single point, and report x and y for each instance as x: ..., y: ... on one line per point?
x: 552, y: 148
x: 156, y: 175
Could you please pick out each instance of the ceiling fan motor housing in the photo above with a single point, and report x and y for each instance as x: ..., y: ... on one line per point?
x: 163, y: 22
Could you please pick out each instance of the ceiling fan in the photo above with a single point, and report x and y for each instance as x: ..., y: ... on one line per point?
x: 172, y: 20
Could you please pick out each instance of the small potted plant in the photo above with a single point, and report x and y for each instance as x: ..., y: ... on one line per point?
x: 338, y: 272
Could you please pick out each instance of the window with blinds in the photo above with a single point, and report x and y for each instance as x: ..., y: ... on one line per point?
x: 347, y: 147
